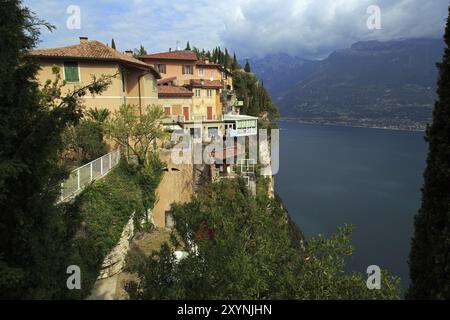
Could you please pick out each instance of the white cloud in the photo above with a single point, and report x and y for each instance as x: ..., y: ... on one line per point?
x: 311, y: 27
x: 308, y: 28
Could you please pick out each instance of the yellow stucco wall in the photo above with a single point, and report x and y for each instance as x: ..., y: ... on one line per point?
x: 114, y: 95
x: 208, y: 73
x: 176, y: 105
x: 175, y: 69
x: 201, y: 104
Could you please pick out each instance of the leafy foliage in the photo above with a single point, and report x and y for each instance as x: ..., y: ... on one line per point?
x: 241, y: 248
x: 430, y: 250
x: 139, y: 52
x: 98, y: 115
x: 137, y: 132
x: 218, y: 56
x: 85, y: 141
x: 257, y: 101
x: 105, y: 208
x: 34, y: 232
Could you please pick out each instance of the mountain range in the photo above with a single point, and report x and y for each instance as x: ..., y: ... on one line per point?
x: 388, y: 84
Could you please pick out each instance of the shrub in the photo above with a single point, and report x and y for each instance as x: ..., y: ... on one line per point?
x: 85, y: 141
x: 104, y: 209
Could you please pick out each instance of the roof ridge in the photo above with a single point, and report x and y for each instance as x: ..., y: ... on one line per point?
x: 92, y: 49
x: 177, y: 54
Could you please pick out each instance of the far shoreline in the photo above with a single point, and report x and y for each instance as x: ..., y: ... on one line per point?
x: 300, y: 121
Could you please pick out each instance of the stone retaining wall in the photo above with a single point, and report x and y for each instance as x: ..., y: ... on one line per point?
x: 114, y: 262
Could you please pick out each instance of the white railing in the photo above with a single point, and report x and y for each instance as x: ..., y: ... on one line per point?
x: 242, y: 132
x: 246, y: 165
x: 87, y: 173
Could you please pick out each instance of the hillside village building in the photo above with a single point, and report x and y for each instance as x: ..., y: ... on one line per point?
x: 197, y: 96
x: 213, y: 99
x: 135, y: 81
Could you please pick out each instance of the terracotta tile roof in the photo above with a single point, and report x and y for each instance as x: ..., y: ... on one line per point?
x: 172, y: 55
x: 93, y: 50
x: 210, y: 64
x: 166, y: 80
x: 201, y: 83
x: 173, y: 91
x: 226, y: 153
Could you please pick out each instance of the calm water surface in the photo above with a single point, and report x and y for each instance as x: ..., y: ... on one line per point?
x: 370, y: 178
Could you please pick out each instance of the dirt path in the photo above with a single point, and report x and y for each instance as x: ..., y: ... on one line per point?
x: 104, y: 289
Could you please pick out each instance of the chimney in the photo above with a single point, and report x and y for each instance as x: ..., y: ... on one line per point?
x: 84, y: 39
x: 170, y: 49
x: 129, y: 52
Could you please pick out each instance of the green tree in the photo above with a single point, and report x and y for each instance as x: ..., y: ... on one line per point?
x: 113, y: 44
x: 257, y: 101
x: 235, y: 64
x: 139, y: 52
x: 85, y: 140
x: 34, y: 232
x: 240, y: 247
x: 247, y: 67
x: 188, y: 47
x: 98, y: 115
x: 227, y: 59
x: 429, y: 260
x: 137, y: 132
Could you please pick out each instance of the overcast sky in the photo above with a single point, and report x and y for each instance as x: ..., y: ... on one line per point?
x: 306, y: 28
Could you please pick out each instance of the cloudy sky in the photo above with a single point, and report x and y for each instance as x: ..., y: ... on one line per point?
x: 306, y: 28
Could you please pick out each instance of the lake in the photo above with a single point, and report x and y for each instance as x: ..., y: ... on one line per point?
x: 370, y: 178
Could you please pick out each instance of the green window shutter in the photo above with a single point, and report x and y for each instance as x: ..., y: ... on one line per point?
x: 71, y: 72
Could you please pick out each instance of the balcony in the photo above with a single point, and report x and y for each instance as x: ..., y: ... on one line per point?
x: 203, y: 118
x: 169, y: 119
x: 242, y: 132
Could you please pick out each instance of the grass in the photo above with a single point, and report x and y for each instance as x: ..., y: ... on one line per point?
x: 150, y: 242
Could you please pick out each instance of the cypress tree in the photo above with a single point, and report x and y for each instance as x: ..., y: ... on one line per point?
x: 227, y: 59
x: 234, y: 64
x: 113, y: 44
x: 247, y: 67
x: 188, y: 47
x: 429, y: 260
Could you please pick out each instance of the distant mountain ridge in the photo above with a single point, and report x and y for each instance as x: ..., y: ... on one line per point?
x: 281, y: 71
x: 372, y: 83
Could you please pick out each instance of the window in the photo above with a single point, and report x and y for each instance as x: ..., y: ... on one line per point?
x: 196, y: 133
x: 187, y: 69
x: 209, y: 93
x: 213, y: 132
x: 71, y: 73
x: 161, y: 68
x: 197, y: 92
x: 200, y: 72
